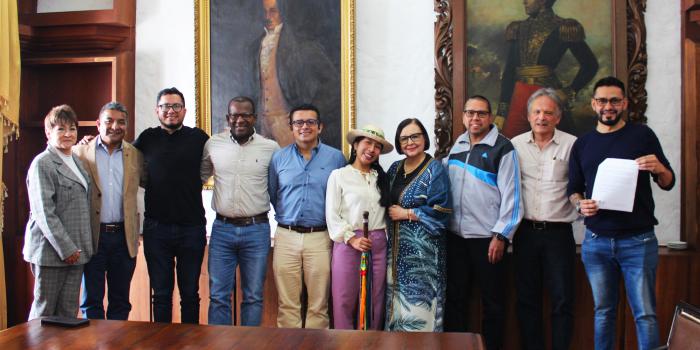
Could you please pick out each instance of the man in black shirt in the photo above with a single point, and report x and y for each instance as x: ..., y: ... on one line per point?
x: 174, y: 228
x: 619, y: 244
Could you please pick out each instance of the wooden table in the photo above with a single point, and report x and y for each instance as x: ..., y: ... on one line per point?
x: 104, y: 334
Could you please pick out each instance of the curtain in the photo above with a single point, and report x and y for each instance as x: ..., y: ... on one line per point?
x: 9, y: 114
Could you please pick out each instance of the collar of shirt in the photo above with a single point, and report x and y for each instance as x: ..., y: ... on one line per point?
x: 556, y: 138
x: 314, y: 150
x: 490, y: 138
x: 372, y: 172
x: 163, y: 130
x: 275, y: 31
x: 105, y: 148
x: 250, y: 139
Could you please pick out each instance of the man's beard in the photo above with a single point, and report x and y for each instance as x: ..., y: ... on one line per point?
x: 609, y: 122
x: 172, y: 126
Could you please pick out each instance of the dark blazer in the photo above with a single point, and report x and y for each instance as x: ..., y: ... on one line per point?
x: 59, y: 221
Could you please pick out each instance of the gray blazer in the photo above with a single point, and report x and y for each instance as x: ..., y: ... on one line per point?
x: 59, y: 221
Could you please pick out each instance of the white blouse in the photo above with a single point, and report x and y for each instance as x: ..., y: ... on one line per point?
x: 70, y: 162
x: 349, y: 194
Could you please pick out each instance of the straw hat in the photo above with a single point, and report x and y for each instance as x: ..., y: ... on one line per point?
x: 371, y: 132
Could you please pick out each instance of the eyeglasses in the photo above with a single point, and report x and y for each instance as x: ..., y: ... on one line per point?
x: 300, y: 123
x: 246, y: 116
x: 601, y: 102
x: 166, y: 107
x: 413, y: 137
x: 474, y: 114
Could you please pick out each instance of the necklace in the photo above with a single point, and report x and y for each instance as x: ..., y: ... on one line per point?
x: 407, y: 171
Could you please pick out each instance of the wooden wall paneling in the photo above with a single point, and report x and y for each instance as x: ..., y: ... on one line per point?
x: 19, y: 289
x: 690, y: 46
x: 583, y: 309
x: 26, y: 6
x: 83, y: 58
x: 124, y: 82
x: 123, y: 13
x: 139, y: 293
x: 459, y: 83
x: 694, y: 280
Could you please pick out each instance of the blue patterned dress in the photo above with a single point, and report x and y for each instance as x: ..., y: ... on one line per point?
x: 415, y: 291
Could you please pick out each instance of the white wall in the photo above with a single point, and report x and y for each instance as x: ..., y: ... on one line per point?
x: 664, y: 113
x: 395, y: 81
x: 395, y: 72
x: 164, y: 57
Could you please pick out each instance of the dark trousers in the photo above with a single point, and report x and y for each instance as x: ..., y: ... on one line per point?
x: 544, y: 257
x: 467, y: 260
x: 113, y: 262
x: 170, y: 247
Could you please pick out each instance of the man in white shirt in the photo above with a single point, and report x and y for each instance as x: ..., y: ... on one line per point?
x: 543, y: 247
x: 238, y: 159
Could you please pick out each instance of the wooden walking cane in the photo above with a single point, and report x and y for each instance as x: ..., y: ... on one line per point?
x: 365, y: 303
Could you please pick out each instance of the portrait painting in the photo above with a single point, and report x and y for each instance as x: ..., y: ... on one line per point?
x: 281, y: 54
x: 507, y: 49
x: 526, y: 45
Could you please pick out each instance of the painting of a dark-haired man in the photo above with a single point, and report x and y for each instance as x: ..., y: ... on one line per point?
x: 292, y: 66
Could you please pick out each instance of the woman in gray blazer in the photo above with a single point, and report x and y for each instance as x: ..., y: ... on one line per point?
x: 58, y: 241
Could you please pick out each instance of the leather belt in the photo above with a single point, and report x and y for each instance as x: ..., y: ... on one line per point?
x: 112, y: 227
x: 304, y: 229
x: 544, y: 225
x: 245, y: 220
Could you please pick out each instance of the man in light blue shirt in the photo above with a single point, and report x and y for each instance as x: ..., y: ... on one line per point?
x: 297, y: 183
x: 115, y: 167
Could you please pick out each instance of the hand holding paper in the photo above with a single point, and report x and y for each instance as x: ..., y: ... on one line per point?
x: 616, y: 184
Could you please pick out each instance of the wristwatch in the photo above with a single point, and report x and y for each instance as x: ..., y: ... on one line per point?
x: 501, y: 237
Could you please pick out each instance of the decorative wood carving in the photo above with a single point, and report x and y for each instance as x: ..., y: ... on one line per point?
x: 443, y: 77
x: 444, y: 27
x: 637, y: 60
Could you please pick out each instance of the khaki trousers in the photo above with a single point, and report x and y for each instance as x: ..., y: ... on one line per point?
x: 302, y: 258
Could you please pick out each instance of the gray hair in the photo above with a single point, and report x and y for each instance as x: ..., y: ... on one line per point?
x: 114, y: 106
x: 548, y: 92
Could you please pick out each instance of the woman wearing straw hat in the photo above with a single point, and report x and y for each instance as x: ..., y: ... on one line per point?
x: 360, y: 186
x: 419, y: 214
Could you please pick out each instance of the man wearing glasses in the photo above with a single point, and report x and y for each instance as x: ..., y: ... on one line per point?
x: 302, y: 253
x: 617, y: 243
x: 485, y: 185
x: 174, y: 226
x: 239, y: 160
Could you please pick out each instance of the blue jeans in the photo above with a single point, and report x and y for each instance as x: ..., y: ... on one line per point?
x: 635, y: 258
x: 163, y: 245
x: 112, y: 261
x: 229, y: 246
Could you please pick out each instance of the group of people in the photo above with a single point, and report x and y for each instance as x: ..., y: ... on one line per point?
x: 434, y: 227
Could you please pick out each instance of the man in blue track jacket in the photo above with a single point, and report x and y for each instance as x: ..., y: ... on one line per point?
x: 485, y: 185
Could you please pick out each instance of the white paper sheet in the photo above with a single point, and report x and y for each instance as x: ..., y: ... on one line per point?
x: 616, y: 184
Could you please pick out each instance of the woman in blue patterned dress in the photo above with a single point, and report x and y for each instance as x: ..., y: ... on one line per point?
x: 415, y: 291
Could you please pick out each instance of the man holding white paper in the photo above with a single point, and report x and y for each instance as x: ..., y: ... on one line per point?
x: 619, y: 243
x: 616, y: 185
